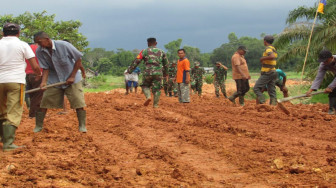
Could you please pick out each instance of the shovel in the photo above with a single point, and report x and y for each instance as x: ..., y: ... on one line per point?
x: 45, y: 87
x: 284, y: 109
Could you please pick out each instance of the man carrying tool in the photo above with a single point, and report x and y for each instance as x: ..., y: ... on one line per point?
x: 13, y: 53
x: 156, y: 66
x: 240, y: 74
x: 60, y: 61
x: 197, y: 76
x: 268, y: 74
x: 327, y: 63
x: 220, y: 76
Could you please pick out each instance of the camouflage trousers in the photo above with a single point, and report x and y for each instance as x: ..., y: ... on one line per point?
x: 197, y: 86
x: 172, y: 87
x: 221, y: 85
x: 183, y: 92
x: 152, y: 81
x: 165, y: 86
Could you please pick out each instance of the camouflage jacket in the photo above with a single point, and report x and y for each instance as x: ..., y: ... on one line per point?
x: 220, y: 73
x: 197, y: 73
x: 172, y: 71
x: 156, y: 62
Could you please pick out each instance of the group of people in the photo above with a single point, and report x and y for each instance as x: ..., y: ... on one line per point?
x: 60, y: 62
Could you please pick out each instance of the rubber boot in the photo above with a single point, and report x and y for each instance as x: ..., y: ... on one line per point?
x: 241, y: 101
x: 1, y: 131
x: 27, y: 100
x: 273, y: 102
x: 81, y: 115
x: 147, y: 93
x: 233, y: 97
x: 39, y: 121
x: 225, y: 95
x: 156, y: 99
x: 332, y: 103
x: 170, y: 94
x: 9, y: 137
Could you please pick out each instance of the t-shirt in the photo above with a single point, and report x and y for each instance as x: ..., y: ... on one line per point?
x: 269, y: 65
x: 183, y: 66
x: 13, y: 53
x: 29, y: 70
x: 240, y: 61
x: 281, y: 74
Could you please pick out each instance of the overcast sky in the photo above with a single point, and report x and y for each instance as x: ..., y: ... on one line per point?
x: 205, y: 24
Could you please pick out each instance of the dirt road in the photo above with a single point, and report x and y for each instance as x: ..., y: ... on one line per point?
x: 207, y: 143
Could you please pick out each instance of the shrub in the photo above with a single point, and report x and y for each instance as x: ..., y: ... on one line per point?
x: 209, y: 79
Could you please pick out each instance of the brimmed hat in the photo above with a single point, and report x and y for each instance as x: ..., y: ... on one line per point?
x: 242, y: 48
x: 324, y: 56
x: 11, y: 27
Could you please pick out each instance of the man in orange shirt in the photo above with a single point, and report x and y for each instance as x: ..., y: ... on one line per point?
x: 240, y: 74
x: 183, y: 77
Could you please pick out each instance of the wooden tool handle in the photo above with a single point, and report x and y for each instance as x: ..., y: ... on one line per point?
x: 298, y: 96
x: 47, y: 86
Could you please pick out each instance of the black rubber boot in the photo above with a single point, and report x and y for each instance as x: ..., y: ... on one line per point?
x: 241, y: 101
x: 170, y: 94
x: 332, y: 104
x: 81, y: 115
x: 9, y: 137
x: 39, y: 121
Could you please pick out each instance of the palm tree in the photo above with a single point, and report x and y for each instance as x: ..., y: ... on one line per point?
x: 295, y: 37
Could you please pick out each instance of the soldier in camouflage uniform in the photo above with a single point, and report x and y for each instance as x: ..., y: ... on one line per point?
x: 156, y: 66
x: 220, y: 77
x: 172, y: 86
x: 197, y: 76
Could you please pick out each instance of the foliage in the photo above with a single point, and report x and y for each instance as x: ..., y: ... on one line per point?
x: 32, y: 23
x: 172, y: 48
x: 209, y: 79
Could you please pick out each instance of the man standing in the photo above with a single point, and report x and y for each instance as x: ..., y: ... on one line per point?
x: 197, y: 76
x: 156, y: 66
x: 13, y: 53
x: 268, y: 74
x: 240, y: 74
x: 172, y: 87
x: 36, y: 97
x: 183, y: 77
x: 219, y: 79
x: 133, y: 79
x: 60, y: 61
x: 327, y: 63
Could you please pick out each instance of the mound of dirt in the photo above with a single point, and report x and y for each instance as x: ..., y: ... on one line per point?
x: 207, y: 143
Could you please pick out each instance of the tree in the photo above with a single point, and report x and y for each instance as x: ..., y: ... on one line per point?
x: 294, y: 38
x: 172, y: 48
x: 60, y: 30
x: 192, y: 53
x: 92, y: 56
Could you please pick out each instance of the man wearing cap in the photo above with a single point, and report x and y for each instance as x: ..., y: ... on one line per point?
x: 60, y: 62
x: 327, y: 63
x: 172, y: 86
x: 220, y: 75
x: 268, y: 72
x: 13, y: 53
x: 197, y: 77
x: 240, y: 74
x: 156, y: 66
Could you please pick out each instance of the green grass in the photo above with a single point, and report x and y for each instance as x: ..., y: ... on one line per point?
x: 104, y: 83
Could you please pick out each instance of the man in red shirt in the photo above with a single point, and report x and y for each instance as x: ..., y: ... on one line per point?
x: 31, y: 82
x: 183, y: 77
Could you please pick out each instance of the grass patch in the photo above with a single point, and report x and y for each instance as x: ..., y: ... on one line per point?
x: 104, y: 83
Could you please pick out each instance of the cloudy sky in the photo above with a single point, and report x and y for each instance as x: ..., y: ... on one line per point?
x: 205, y: 24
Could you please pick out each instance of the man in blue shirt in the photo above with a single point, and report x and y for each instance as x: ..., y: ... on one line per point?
x: 280, y: 82
x: 60, y: 62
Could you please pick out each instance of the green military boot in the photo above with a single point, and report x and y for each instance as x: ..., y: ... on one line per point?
x: 81, y: 115
x: 156, y: 99
x: 273, y: 101
x: 9, y: 137
x: 332, y: 104
x: 241, y: 101
x: 39, y: 121
x: 147, y: 93
x: 233, y: 97
x: 1, y: 131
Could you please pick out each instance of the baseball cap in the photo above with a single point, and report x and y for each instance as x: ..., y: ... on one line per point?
x: 242, y: 48
x: 11, y: 27
x: 324, y: 56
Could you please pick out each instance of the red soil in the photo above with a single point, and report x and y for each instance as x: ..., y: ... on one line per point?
x: 207, y: 143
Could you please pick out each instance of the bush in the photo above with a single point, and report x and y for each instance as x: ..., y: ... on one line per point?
x: 209, y: 79
x: 98, y: 79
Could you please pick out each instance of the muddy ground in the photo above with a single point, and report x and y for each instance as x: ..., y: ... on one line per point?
x: 207, y: 143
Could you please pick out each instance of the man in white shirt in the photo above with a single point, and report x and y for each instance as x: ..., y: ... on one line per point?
x: 13, y: 53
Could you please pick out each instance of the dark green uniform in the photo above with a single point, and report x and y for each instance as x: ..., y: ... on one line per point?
x: 156, y: 66
x: 197, y: 79
x: 172, y: 87
x: 219, y: 82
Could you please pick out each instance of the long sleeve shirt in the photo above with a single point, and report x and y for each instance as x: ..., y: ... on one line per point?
x: 323, y: 68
